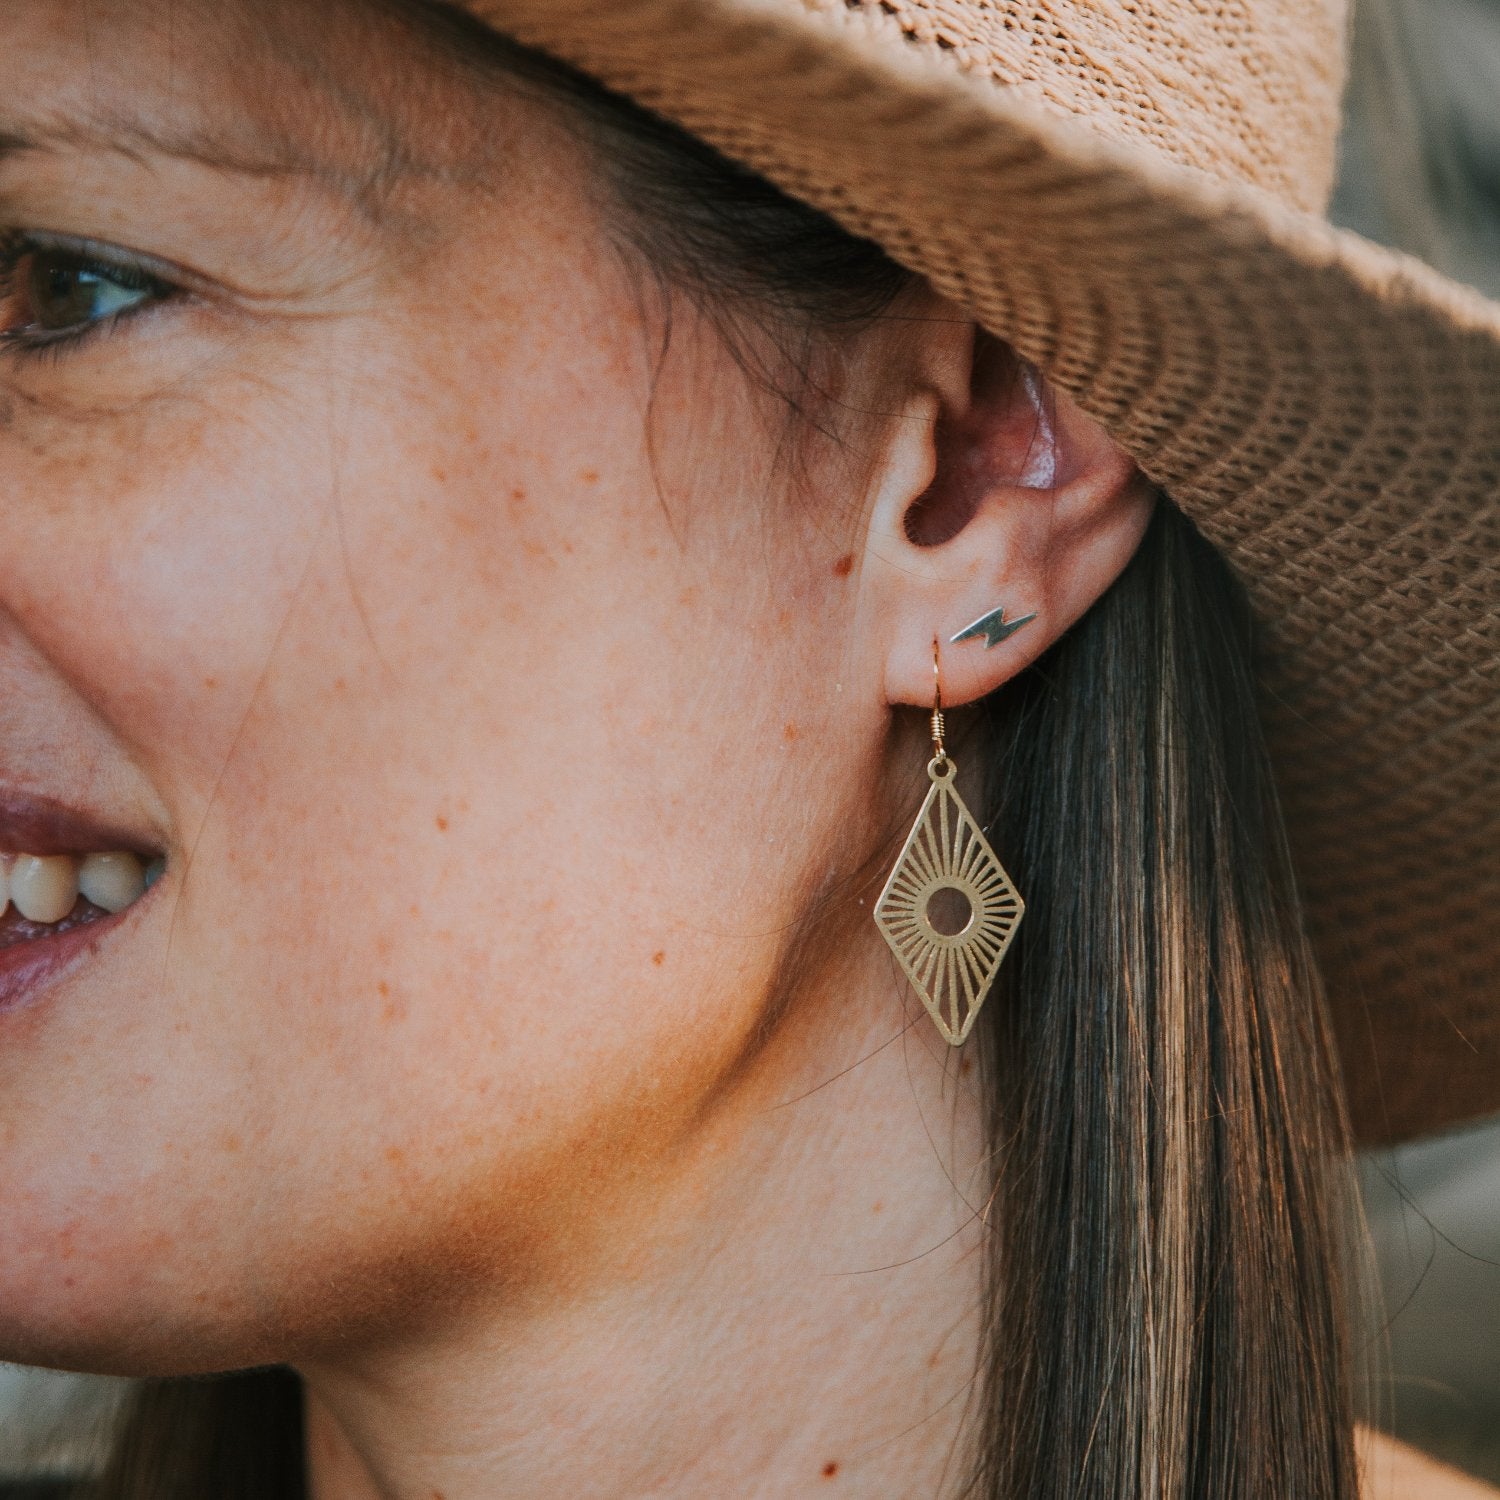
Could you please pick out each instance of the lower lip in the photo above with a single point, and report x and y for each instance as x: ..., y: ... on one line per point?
x: 29, y: 968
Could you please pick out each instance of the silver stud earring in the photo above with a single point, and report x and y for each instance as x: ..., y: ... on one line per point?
x: 994, y: 627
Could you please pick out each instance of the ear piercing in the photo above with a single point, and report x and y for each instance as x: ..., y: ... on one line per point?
x: 994, y: 627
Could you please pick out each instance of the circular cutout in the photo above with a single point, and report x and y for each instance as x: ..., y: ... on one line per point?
x: 950, y: 911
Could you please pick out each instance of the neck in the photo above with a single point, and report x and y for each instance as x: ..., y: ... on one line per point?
x: 799, y: 1307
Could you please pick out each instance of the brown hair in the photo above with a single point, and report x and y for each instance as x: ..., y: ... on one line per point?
x: 1167, y: 1308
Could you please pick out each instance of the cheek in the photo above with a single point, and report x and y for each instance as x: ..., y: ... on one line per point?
x: 154, y: 560
x: 462, y: 921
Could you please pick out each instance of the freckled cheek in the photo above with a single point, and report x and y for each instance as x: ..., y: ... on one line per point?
x: 153, y: 562
x: 425, y: 982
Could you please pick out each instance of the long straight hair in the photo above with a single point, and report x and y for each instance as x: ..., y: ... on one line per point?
x: 1167, y: 1264
x: 1167, y: 1270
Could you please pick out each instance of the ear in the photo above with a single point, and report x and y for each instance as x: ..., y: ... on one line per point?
x: 996, y: 491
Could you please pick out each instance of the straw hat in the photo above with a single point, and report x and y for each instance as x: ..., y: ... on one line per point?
x: 1130, y: 191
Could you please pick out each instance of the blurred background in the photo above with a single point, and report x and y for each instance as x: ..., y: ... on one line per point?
x: 1421, y: 170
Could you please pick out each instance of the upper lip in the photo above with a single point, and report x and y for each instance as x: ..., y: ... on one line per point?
x: 41, y: 825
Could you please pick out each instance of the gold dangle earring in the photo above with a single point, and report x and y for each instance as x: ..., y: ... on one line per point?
x: 948, y: 909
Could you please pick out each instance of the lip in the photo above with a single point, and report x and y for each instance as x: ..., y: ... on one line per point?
x: 31, y: 824
x: 41, y: 825
x: 29, y: 969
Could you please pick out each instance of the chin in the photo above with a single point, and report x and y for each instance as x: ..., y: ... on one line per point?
x: 78, y: 1297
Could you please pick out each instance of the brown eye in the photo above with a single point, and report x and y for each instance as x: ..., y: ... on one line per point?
x: 57, y: 291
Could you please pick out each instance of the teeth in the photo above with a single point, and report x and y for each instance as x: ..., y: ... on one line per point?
x: 45, y: 888
x: 113, y: 881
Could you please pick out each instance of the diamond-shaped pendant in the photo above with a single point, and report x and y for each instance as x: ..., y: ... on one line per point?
x: 947, y: 865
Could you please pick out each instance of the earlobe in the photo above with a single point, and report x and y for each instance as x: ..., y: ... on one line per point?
x: 1001, y: 519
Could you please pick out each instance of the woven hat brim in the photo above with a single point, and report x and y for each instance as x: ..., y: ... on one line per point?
x: 1328, y: 413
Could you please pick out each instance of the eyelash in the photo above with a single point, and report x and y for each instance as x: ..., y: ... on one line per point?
x: 116, y: 268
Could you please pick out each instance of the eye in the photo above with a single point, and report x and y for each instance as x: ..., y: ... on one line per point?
x: 56, y: 293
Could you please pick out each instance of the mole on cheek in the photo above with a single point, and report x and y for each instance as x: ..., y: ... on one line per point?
x: 845, y: 565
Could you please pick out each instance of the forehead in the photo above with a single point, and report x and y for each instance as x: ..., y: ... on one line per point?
x: 358, y: 91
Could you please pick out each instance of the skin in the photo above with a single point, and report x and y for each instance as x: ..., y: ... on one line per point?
x: 508, y: 1046
x: 1394, y: 1471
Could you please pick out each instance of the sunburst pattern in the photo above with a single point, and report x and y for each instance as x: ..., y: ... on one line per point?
x: 947, y: 850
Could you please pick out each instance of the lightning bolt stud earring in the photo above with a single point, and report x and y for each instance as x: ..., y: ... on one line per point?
x: 948, y: 910
x: 994, y: 627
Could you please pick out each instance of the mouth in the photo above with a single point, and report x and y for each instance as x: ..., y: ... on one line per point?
x: 65, y: 879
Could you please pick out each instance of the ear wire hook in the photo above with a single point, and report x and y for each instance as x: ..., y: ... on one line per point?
x: 938, y: 726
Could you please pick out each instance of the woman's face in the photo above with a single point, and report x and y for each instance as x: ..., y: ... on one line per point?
x: 342, y: 565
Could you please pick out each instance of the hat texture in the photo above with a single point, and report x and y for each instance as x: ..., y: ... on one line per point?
x: 1129, y: 191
